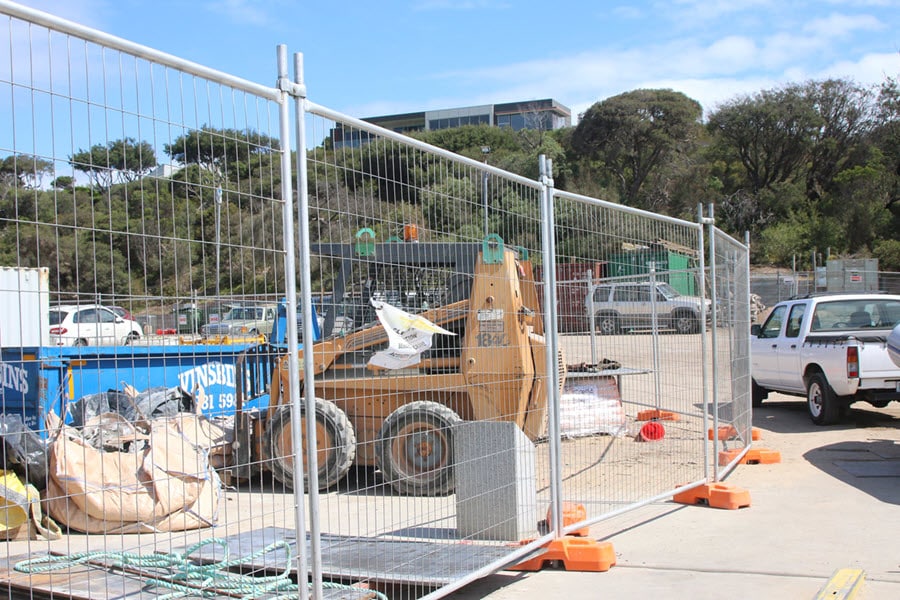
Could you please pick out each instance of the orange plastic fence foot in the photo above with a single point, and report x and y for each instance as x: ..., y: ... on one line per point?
x: 754, y: 456
x: 728, y: 432
x: 575, y: 554
x: 716, y: 495
x: 725, y: 432
x: 662, y: 415
x: 573, y: 512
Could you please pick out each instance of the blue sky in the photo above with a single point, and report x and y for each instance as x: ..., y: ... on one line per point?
x: 372, y: 58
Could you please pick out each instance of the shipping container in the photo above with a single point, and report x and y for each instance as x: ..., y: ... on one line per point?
x: 24, y: 307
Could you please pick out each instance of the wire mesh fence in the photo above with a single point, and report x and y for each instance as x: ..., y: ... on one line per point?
x: 732, y: 419
x: 633, y: 410
x: 393, y: 398
x: 774, y: 285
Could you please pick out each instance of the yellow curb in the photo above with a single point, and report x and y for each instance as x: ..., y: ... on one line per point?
x: 843, y: 585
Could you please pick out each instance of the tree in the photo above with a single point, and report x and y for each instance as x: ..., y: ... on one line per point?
x: 845, y: 111
x: 63, y: 182
x: 771, y: 134
x: 634, y: 133
x: 226, y: 153
x: 118, y: 161
x: 23, y: 170
x: 886, y: 136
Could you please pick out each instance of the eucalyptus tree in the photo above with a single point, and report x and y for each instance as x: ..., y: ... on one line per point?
x: 635, y: 134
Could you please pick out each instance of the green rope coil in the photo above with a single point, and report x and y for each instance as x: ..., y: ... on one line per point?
x: 187, y: 578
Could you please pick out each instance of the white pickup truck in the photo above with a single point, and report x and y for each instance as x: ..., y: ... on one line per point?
x: 830, y: 348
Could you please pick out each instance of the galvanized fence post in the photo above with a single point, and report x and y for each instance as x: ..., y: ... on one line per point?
x: 313, y: 562
x: 704, y: 349
x: 714, y: 347
x: 548, y: 242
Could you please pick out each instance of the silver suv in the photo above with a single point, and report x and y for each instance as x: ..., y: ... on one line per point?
x: 629, y: 305
x: 244, y: 320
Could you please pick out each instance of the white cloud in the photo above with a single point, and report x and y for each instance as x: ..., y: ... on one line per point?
x: 866, y: 3
x: 692, y: 12
x: 428, y: 5
x: 250, y: 12
x: 838, y: 25
x: 627, y: 11
x: 869, y: 70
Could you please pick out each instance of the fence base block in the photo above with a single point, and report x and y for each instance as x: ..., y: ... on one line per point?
x: 754, y: 456
x: 572, y: 512
x: 655, y: 414
x: 575, y: 554
x: 715, y: 495
x: 728, y: 432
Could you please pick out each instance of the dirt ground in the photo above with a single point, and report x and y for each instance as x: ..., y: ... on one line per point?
x: 603, y: 471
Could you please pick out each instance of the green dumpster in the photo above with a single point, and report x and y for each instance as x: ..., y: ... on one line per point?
x: 189, y: 319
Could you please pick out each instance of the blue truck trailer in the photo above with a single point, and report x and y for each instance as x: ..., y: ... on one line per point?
x: 40, y: 380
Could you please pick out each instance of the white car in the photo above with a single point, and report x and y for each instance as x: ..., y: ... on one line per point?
x: 90, y: 325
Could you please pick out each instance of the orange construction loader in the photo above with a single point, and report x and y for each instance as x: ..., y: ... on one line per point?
x: 489, y: 364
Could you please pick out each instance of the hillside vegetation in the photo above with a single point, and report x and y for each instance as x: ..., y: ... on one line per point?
x: 804, y: 168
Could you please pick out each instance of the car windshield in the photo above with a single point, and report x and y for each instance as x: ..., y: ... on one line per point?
x: 245, y: 313
x: 57, y: 316
x: 838, y: 315
x: 668, y: 291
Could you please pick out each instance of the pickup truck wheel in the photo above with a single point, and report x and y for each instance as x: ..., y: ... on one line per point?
x: 335, y: 444
x: 415, y: 449
x: 607, y: 324
x: 757, y: 394
x: 685, y: 323
x: 824, y: 406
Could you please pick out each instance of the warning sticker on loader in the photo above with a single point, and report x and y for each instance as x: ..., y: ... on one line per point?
x: 490, y: 319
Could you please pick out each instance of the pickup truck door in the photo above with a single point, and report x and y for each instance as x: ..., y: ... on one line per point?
x: 790, y: 374
x: 764, y: 349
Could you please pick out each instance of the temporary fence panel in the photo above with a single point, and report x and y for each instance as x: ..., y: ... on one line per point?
x: 771, y: 286
x: 633, y: 413
x: 431, y: 380
x: 731, y: 430
x: 149, y: 189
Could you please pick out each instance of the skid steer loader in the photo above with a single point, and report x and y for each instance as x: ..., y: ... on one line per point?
x: 401, y: 420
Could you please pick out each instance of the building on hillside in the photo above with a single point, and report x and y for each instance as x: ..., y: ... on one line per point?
x: 543, y: 115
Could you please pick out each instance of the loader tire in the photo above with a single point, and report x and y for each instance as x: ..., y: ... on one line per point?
x: 335, y: 443
x: 415, y: 449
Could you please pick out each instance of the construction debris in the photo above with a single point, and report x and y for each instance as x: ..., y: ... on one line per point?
x: 133, y: 463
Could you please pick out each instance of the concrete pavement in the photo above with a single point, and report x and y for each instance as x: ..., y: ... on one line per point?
x: 832, y: 503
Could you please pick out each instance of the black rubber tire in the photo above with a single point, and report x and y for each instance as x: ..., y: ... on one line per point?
x: 80, y: 342
x: 415, y: 449
x: 607, y: 324
x: 824, y: 407
x: 335, y: 439
x: 132, y: 338
x: 685, y: 323
x: 757, y: 394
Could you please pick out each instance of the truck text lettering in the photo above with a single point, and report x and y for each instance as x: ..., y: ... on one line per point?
x: 14, y: 378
